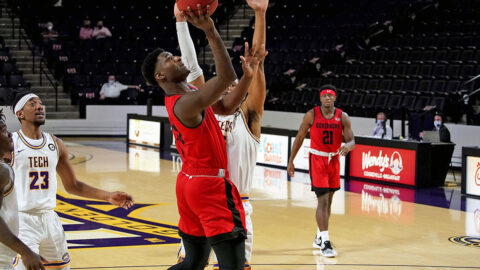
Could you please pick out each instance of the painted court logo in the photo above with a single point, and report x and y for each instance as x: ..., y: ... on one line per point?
x: 95, y: 224
x: 469, y: 241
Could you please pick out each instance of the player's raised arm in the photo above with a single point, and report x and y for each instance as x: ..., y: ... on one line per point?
x: 254, y: 104
x: 29, y: 258
x: 74, y: 186
x: 302, y: 132
x: 187, y: 49
x: 192, y: 104
x: 347, y: 135
x: 250, y: 63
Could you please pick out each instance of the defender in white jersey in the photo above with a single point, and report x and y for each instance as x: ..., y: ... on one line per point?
x: 240, y: 125
x: 10, y: 245
x: 36, y: 160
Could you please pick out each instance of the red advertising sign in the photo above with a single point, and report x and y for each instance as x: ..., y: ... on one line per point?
x: 383, y: 164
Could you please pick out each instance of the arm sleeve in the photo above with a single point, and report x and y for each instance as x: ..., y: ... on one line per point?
x: 187, y: 48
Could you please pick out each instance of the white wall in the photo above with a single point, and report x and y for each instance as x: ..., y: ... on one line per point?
x: 112, y: 120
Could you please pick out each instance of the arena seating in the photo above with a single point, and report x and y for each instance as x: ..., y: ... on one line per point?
x: 10, y: 77
x: 84, y: 65
x: 395, y: 56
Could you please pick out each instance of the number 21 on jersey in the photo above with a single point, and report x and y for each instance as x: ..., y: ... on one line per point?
x: 39, y: 180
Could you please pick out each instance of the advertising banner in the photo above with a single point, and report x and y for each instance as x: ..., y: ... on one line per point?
x: 383, y: 163
x: 273, y: 150
x: 144, y: 132
x: 473, y: 176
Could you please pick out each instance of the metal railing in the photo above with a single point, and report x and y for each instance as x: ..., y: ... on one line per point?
x: 28, y: 43
x: 51, y: 79
x: 31, y: 47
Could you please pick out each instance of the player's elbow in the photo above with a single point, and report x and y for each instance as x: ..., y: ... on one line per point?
x: 228, y: 76
x: 72, y: 188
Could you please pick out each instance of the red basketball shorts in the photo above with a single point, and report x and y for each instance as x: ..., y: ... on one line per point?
x: 324, y: 175
x: 209, y: 206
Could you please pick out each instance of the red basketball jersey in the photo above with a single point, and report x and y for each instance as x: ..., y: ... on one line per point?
x: 326, y: 134
x: 199, y: 147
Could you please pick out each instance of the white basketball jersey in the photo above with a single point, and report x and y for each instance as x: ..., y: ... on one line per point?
x: 35, y: 165
x: 9, y: 214
x: 242, y: 148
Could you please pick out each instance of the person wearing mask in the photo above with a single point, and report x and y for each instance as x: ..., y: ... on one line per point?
x: 48, y: 36
x: 110, y: 92
x: 49, y: 33
x: 382, y: 130
x: 86, y: 30
x: 100, y: 31
x: 441, y: 128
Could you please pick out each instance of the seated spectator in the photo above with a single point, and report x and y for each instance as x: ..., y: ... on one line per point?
x: 48, y: 36
x: 382, y: 130
x: 49, y: 32
x: 86, y: 30
x: 110, y: 92
x: 100, y: 31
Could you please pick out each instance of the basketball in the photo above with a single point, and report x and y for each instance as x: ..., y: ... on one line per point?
x: 184, y: 4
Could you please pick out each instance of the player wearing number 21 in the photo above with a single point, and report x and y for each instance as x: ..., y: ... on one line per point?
x: 328, y: 126
x: 36, y: 159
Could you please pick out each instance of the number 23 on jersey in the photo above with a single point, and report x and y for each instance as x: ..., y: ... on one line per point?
x: 39, y: 180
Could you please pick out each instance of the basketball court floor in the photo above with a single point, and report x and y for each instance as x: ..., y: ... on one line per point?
x: 372, y: 226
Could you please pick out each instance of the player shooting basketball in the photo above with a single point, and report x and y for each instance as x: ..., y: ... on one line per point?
x: 240, y: 125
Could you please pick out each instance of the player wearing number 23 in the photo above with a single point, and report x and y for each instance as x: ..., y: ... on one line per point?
x: 36, y: 159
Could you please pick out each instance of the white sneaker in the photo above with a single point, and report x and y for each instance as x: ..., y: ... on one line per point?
x: 317, y: 243
x: 327, y: 250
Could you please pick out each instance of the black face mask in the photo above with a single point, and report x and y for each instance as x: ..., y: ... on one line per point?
x: 99, y: 26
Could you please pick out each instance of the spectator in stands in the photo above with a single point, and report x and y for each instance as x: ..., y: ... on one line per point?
x: 86, y: 31
x: 100, y: 31
x: 110, y: 92
x: 49, y: 33
x: 48, y: 36
x: 382, y: 130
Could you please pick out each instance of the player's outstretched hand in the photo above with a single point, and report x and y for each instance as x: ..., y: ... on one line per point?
x: 249, y: 62
x: 202, y: 21
x: 121, y: 199
x: 33, y: 261
x: 291, y: 169
x: 343, y: 151
x: 258, y: 5
x: 178, y: 14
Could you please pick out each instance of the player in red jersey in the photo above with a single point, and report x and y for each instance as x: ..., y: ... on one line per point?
x: 328, y: 126
x: 210, y: 207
